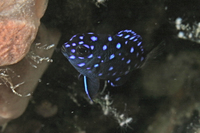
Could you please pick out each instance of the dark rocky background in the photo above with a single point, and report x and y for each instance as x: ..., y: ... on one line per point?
x: 162, y: 97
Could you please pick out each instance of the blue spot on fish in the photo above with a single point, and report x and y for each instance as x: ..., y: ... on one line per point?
x: 110, y: 38
x: 90, y: 56
x: 92, y: 47
x: 81, y: 42
x: 96, y: 65
x: 131, y: 50
x: 73, y: 50
x: 72, y: 57
x: 73, y: 44
x: 105, y: 57
x: 118, y: 46
x: 94, y: 38
x: 81, y: 64
x: 110, y: 69
x: 104, y: 47
x: 112, y: 56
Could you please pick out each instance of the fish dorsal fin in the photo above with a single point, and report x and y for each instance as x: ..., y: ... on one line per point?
x: 91, y: 87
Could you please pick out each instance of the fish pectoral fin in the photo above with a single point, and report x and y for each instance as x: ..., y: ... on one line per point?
x: 119, y: 80
x: 91, y: 87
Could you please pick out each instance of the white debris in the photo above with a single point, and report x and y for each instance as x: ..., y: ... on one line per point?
x: 6, y: 76
x: 100, y: 2
x: 106, y: 103
x: 188, y: 31
x: 37, y: 59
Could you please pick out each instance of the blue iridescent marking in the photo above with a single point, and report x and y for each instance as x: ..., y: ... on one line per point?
x: 121, y: 31
x: 112, y: 56
x: 100, y: 74
x: 94, y: 38
x: 126, y: 72
x: 128, y: 61
x: 86, y: 87
x: 72, y: 37
x: 99, y: 57
x: 72, y: 57
x: 112, y: 84
x: 114, y: 73
x: 126, y: 42
x: 81, y: 42
x: 96, y: 65
x: 123, y: 58
x: 110, y: 38
x: 92, y: 47
x: 132, y: 38
x: 117, y: 79
x: 81, y: 57
x: 81, y: 37
x: 87, y: 46
x: 90, y: 56
x: 67, y: 46
x: 139, y: 44
x: 132, y: 50
x: 127, y: 36
x: 135, y: 40
x: 104, y: 47
x: 120, y: 35
x: 118, y: 46
x: 110, y: 69
x: 73, y: 50
x: 81, y: 64
x: 142, y: 58
x: 73, y: 44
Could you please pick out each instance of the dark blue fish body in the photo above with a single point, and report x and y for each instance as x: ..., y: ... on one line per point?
x: 107, y: 57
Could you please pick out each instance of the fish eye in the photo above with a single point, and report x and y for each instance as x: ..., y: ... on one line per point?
x: 82, y: 51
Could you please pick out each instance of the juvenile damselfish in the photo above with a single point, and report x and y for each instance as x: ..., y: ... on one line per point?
x: 104, y: 57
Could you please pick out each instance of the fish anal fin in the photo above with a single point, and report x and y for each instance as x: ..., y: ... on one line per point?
x: 118, y: 81
x: 91, y: 86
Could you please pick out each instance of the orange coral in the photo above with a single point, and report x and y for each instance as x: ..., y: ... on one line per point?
x: 19, y: 22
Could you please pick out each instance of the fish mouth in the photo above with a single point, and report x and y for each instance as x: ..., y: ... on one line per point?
x: 64, y: 51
